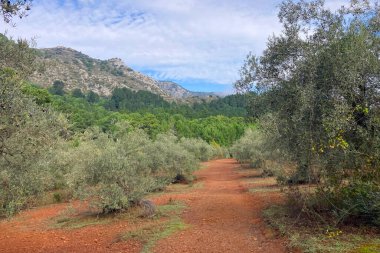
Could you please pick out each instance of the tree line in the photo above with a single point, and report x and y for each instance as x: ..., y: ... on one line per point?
x: 147, y: 111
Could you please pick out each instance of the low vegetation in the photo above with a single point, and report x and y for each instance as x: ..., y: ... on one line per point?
x: 314, y: 238
x: 152, y: 232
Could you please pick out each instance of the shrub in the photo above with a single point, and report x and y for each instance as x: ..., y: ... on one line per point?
x: 113, y: 174
x: 354, y: 203
x: 199, y: 148
x: 249, y: 148
x: 359, y: 202
x: 168, y: 159
x: 219, y: 151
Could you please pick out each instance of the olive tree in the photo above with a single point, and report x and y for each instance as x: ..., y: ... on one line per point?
x: 9, y: 9
x: 321, y: 80
x: 27, y: 131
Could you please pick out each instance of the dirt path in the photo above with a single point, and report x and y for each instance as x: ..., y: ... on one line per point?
x: 221, y: 214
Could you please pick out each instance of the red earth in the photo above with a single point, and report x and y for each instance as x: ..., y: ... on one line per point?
x: 222, y: 217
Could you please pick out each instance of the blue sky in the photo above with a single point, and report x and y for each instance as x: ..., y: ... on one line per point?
x: 199, y: 44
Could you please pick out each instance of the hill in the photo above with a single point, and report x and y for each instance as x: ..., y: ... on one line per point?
x: 177, y: 91
x: 81, y: 71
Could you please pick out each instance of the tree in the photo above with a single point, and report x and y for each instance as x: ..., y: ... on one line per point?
x: 57, y: 88
x: 19, y: 8
x: 17, y: 55
x: 27, y: 132
x: 77, y: 93
x: 39, y: 95
x: 92, y: 97
x: 320, y: 80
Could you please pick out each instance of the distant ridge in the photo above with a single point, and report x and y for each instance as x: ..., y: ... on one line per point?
x: 177, y: 91
x: 78, y: 70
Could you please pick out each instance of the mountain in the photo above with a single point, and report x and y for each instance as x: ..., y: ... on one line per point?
x: 177, y: 91
x: 78, y: 70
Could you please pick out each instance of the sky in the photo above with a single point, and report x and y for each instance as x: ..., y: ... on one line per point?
x: 200, y: 44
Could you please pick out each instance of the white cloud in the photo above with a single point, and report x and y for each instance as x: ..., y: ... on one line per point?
x: 176, y: 39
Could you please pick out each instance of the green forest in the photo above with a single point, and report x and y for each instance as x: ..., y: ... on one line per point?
x: 220, y: 121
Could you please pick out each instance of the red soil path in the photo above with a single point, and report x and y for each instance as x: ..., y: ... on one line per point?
x: 222, y: 217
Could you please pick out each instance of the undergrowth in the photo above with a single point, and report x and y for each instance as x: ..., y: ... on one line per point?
x: 314, y: 237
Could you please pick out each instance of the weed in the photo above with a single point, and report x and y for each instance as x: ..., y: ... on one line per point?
x: 264, y: 189
x: 153, y: 232
x: 79, y: 222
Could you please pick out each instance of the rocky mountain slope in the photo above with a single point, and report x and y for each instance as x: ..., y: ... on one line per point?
x: 78, y: 70
x: 178, y: 91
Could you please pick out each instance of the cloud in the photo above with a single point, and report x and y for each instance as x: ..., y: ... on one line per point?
x: 173, y: 39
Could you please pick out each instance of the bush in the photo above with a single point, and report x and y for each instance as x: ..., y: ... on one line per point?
x: 249, y: 148
x: 115, y: 173
x: 356, y: 203
x: 169, y: 160
x: 359, y: 202
x: 199, y: 148
x: 219, y: 151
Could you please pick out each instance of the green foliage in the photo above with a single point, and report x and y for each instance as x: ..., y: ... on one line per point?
x: 26, y: 133
x: 17, y: 55
x: 123, y: 99
x: 115, y: 172
x: 169, y: 160
x: 254, y: 148
x: 57, y: 88
x: 319, y: 82
x: 358, y: 202
x: 92, y: 97
x: 40, y: 96
x: 230, y: 106
x: 82, y: 115
x: 77, y: 93
x: 199, y: 148
x: 57, y: 197
x: 249, y: 148
x: 126, y: 99
x: 223, y: 130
